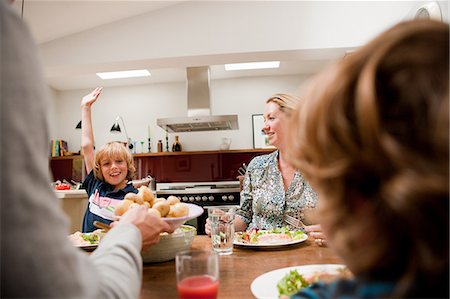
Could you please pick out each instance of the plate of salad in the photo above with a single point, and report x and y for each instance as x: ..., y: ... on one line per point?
x: 268, y: 239
x: 86, y: 241
x: 288, y: 281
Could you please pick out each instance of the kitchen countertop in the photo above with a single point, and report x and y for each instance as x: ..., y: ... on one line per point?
x: 73, y: 203
x: 63, y: 194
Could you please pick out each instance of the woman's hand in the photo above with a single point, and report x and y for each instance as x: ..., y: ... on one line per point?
x: 150, y: 226
x: 315, y: 231
x: 239, y: 226
x: 90, y: 98
x: 208, y: 227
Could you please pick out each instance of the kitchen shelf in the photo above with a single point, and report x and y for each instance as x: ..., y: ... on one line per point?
x: 260, y: 150
x: 66, y: 157
x: 237, y: 151
x: 192, y: 166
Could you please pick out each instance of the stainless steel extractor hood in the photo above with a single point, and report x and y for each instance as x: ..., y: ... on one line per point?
x: 199, y: 116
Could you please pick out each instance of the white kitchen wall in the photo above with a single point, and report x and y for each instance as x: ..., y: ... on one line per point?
x: 52, y: 115
x: 174, y: 36
x: 140, y: 106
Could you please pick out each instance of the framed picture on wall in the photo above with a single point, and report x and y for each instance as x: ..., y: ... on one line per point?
x: 260, y: 139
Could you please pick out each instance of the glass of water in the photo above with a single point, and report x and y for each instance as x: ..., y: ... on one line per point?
x: 221, y: 219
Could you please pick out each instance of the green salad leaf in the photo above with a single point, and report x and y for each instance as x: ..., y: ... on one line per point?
x: 91, y: 238
x: 291, y: 283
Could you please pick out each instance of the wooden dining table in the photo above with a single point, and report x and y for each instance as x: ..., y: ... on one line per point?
x: 238, y: 270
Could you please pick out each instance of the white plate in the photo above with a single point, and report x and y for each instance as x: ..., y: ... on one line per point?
x: 265, y: 285
x: 87, y: 247
x: 90, y: 247
x: 194, y: 212
x: 269, y: 246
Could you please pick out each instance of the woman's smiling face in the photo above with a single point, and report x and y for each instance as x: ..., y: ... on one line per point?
x: 275, y: 124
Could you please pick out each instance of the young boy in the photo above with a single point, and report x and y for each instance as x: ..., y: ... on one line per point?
x: 109, y: 171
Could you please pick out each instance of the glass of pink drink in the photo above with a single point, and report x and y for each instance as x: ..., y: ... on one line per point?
x: 197, y: 274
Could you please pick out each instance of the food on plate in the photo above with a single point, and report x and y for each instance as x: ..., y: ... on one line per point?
x: 163, y: 207
x: 173, y: 200
x: 280, y: 235
x: 86, y: 239
x: 274, y: 238
x: 293, y: 281
x: 158, y: 199
x: 146, y: 194
x: 160, y: 207
x: 178, y: 210
x: 134, y: 198
x: 180, y: 230
x: 122, y: 207
x: 134, y: 205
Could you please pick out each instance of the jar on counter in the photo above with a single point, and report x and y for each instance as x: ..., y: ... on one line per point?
x: 160, y: 146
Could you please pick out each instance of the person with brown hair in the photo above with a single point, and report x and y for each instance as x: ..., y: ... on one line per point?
x: 373, y: 140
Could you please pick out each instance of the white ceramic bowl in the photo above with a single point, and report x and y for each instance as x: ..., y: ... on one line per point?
x: 194, y: 212
x: 169, y: 245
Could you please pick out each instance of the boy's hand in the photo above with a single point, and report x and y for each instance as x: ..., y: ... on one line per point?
x: 90, y: 98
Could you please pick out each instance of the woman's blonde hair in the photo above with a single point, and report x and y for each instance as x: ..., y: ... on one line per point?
x: 374, y: 133
x: 111, y: 150
x: 287, y: 102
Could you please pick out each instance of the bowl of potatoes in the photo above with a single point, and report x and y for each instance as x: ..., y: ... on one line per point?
x: 170, y: 244
x: 171, y: 210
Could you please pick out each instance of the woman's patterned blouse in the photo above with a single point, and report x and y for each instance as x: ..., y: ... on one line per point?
x: 263, y: 200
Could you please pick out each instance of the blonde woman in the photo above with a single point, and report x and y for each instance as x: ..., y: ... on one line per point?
x: 272, y: 187
x: 373, y: 140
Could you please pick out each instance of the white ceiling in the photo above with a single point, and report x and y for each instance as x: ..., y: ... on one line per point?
x: 52, y: 20
x: 55, y: 19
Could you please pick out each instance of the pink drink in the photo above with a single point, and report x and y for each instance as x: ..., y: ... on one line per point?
x: 198, y: 287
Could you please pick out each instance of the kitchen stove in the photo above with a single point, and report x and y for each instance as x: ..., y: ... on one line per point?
x: 204, y: 194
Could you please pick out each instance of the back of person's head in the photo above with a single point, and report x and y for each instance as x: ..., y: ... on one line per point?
x: 372, y: 137
x: 286, y: 102
x: 114, y: 150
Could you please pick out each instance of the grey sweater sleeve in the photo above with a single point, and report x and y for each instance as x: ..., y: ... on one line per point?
x: 37, y: 259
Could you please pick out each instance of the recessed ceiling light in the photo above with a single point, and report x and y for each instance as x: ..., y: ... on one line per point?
x: 124, y: 74
x: 252, y: 65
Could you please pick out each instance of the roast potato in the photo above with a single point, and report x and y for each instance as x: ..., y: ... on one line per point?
x: 135, y: 198
x: 146, y: 194
x: 122, y: 207
x: 173, y: 200
x: 163, y: 207
x: 178, y: 210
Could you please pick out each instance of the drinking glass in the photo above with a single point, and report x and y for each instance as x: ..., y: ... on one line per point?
x: 221, y: 219
x: 197, y: 274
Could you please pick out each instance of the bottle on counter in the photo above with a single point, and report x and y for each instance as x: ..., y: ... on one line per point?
x: 176, y: 147
x: 160, y: 146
